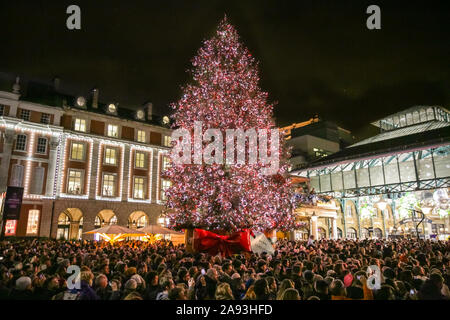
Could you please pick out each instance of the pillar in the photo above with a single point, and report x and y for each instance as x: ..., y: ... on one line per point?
x: 334, y: 228
x: 74, y: 229
x: 314, y: 227
x: 51, y: 173
x: 8, y: 140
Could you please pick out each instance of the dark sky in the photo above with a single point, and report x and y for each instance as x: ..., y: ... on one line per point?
x: 316, y: 57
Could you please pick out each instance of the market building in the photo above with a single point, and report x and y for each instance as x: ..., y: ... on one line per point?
x: 389, y: 185
x: 310, y: 141
x: 82, y: 163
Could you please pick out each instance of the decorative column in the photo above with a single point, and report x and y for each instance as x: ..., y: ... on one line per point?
x: 96, y: 157
x: 334, y: 228
x: 51, y: 173
x: 314, y: 226
x: 8, y: 140
x: 126, y: 180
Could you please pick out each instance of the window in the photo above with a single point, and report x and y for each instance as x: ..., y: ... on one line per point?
x: 63, y: 227
x: 21, y: 142
x: 75, y: 181
x: 77, y: 151
x: 113, y: 131
x: 10, y: 227
x: 33, y: 220
x: 166, y: 163
x: 110, y: 156
x: 319, y: 153
x: 80, y: 125
x: 348, y: 210
x: 141, y: 136
x: 38, y: 180
x: 41, y: 145
x: 45, y: 118
x: 25, y: 115
x: 139, y: 188
x: 139, y: 160
x: 351, y: 233
x: 109, y: 185
x: 17, y: 175
x: 2, y: 110
x: 164, y: 185
x: 167, y: 141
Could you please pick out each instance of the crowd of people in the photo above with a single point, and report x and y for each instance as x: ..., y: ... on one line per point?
x: 297, y: 270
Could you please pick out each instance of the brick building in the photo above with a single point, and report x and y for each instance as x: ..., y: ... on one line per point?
x: 82, y: 163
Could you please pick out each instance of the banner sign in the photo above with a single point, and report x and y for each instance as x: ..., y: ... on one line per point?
x: 13, y: 202
x: 260, y: 243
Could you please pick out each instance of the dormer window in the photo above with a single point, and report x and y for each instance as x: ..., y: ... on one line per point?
x: 112, y: 108
x: 81, y: 102
x: 140, y: 115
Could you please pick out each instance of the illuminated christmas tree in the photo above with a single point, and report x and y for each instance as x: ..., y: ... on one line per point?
x: 225, y: 94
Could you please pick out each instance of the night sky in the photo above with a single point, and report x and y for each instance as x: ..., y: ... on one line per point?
x: 316, y: 57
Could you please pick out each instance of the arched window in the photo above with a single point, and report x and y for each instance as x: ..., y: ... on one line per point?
x: 364, y: 233
x: 351, y: 233
x: 322, y: 233
x: 63, y: 227
x: 97, y: 222
x: 377, y: 233
x: 113, y: 220
x: 339, y: 233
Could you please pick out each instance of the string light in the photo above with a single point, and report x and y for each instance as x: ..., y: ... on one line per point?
x: 225, y: 94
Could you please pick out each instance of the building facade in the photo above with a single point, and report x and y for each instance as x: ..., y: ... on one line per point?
x: 83, y: 164
x: 392, y: 184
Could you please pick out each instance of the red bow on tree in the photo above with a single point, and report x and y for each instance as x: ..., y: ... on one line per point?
x: 226, y: 245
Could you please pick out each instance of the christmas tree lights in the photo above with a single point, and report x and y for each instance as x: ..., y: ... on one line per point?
x: 225, y: 94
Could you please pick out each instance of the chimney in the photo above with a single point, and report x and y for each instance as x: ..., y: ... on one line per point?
x: 95, y: 98
x: 56, y: 83
x: 149, y: 110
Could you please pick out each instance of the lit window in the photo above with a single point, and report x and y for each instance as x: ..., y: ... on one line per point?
x: 139, y: 188
x: 77, y: 151
x: 25, y: 115
x: 113, y: 131
x: 110, y: 156
x: 139, y: 160
x: 167, y: 141
x: 80, y: 125
x: 41, y: 145
x: 109, y: 185
x: 74, y: 182
x: 45, y: 118
x: 166, y: 163
x: 10, y: 227
x: 141, y: 136
x: 33, y: 220
x: 164, y: 185
x: 21, y: 142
